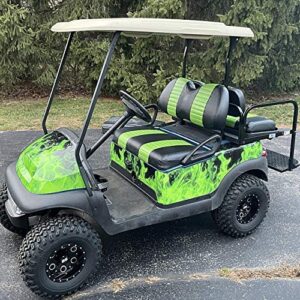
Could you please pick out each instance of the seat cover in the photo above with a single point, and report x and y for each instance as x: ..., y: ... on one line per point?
x: 204, y: 105
x: 253, y: 124
x: 160, y: 149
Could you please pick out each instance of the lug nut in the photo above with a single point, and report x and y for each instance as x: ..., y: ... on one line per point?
x: 73, y: 260
x: 73, y: 249
x: 63, y: 269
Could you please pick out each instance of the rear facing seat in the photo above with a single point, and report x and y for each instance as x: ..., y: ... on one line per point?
x: 254, y: 123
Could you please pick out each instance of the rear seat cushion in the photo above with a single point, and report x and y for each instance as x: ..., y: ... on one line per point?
x: 253, y: 124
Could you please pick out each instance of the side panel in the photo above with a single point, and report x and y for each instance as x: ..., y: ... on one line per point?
x: 185, y: 183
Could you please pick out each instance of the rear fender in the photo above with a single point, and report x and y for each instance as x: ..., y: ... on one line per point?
x: 257, y: 167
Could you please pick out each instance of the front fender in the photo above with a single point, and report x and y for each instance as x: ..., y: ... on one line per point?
x: 30, y: 203
x: 48, y: 165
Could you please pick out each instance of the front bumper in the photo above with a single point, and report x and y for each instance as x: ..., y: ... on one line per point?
x: 16, y: 216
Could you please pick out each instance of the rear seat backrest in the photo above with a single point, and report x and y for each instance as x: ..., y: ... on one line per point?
x: 203, y: 105
x: 237, y: 97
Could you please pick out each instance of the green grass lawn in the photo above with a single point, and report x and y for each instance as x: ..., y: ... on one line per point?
x: 27, y: 114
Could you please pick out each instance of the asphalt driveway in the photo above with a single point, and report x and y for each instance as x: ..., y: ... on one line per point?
x: 179, y: 259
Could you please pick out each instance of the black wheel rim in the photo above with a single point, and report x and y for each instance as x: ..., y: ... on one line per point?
x: 248, y: 209
x: 66, y: 262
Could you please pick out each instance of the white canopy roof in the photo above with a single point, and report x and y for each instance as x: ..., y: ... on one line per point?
x: 186, y: 29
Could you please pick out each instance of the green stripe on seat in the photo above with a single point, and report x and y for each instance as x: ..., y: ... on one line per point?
x: 231, y: 120
x: 175, y: 94
x: 124, y: 137
x: 200, y: 101
x: 147, y: 148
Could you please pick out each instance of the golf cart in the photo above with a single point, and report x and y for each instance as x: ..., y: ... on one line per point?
x: 208, y: 158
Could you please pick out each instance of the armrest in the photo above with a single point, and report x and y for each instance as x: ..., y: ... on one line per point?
x: 238, y: 109
x: 191, y: 157
x: 155, y: 107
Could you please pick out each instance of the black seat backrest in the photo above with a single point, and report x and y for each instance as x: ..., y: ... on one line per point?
x: 237, y: 97
x: 205, y: 105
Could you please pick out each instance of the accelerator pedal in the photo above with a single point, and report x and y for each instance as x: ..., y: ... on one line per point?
x: 279, y: 162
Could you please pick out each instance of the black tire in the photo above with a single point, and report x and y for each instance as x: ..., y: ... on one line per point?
x: 4, y: 220
x: 244, y: 207
x: 46, y: 243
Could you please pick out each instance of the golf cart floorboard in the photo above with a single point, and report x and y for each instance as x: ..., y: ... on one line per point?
x: 279, y: 162
x: 124, y: 200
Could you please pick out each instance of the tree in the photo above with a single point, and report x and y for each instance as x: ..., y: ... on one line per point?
x: 15, y: 43
x: 30, y: 52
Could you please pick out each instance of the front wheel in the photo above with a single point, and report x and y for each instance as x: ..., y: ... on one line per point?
x: 58, y: 256
x: 244, y: 207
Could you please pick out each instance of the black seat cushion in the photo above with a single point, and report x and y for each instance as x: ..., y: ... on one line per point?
x: 161, y: 149
x: 253, y: 124
x: 257, y: 124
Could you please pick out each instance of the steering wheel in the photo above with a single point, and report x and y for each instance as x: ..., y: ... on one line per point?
x: 135, y: 107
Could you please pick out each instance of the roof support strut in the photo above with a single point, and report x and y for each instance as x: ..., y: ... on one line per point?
x: 94, y: 99
x: 188, y: 43
x: 232, y: 45
x: 56, y: 81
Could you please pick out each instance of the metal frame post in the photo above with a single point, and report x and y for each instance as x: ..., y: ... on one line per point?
x: 294, y: 126
x: 56, y: 81
x: 185, y: 56
x: 125, y: 118
x: 232, y: 45
x: 293, y: 137
x: 94, y: 99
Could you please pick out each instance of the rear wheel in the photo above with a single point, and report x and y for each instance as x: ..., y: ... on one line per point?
x: 4, y: 219
x: 244, y: 207
x: 58, y: 256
